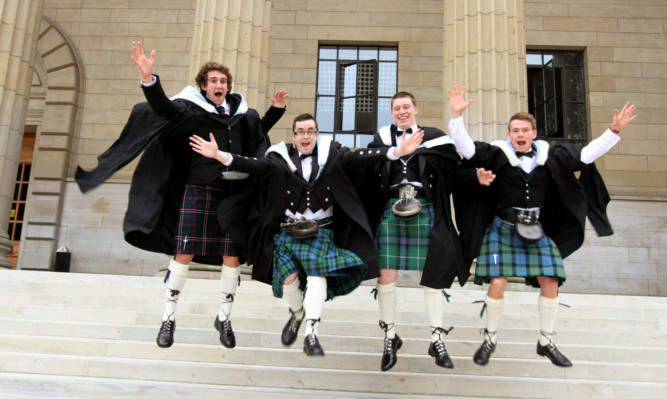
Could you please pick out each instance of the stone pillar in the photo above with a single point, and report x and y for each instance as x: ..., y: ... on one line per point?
x: 485, y: 50
x: 19, y: 21
x: 235, y: 33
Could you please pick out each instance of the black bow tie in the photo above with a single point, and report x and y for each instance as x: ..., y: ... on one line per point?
x: 304, y: 156
x: 399, y: 133
x: 529, y: 154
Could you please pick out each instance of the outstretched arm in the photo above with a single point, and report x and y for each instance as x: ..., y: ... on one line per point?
x: 144, y: 64
x: 208, y: 149
x: 409, y: 144
x: 607, y: 140
x: 485, y: 177
x: 457, y: 101
x: 623, y: 118
x: 279, y: 99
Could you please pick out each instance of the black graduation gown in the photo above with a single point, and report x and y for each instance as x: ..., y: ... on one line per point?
x: 437, y: 167
x: 254, y: 218
x: 159, y: 179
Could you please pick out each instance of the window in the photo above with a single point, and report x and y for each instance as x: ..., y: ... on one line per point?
x: 354, y: 89
x: 18, y: 202
x: 556, y: 95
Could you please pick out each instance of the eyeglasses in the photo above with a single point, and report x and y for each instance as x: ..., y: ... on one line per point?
x: 302, y: 133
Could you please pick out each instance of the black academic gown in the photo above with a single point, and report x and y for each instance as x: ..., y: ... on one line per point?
x: 254, y: 218
x: 160, y: 129
x: 568, y: 200
x: 437, y: 167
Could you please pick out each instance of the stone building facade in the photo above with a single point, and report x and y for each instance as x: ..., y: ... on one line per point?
x: 66, y: 78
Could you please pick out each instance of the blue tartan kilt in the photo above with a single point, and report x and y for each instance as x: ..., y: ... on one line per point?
x: 199, y: 232
x: 403, y: 244
x: 316, y: 256
x: 505, y: 255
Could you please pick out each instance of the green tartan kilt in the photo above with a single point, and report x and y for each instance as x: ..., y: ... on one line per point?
x: 403, y: 244
x: 316, y: 256
x: 505, y: 255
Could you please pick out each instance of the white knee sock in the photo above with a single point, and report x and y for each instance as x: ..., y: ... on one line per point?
x: 229, y: 278
x: 178, y: 274
x: 547, y: 308
x: 494, y: 309
x: 433, y: 300
x: 313, y: 301
x: 387, y: 304
x: 293, y: 296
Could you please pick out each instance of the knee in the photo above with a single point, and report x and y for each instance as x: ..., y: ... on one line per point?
x: 387, y: 276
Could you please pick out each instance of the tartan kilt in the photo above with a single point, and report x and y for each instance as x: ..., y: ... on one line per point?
x: 403, y: 244
x: 316, y: 256
x: 505, y: 255
x: 199, y: 232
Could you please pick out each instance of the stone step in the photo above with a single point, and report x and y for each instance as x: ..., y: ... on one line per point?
x: 72, y: 335
x: 415, y: 382
x: 525, y: 366
x: 522, y: 345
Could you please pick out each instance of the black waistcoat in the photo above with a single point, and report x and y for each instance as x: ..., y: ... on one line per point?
x: 516, y: 188
x: 301, y: 194
x: 400, y: 170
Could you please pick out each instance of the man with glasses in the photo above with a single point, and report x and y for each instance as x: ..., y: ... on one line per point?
x: 175, y: 192
x: 308, y: 231
x: 533, y: 215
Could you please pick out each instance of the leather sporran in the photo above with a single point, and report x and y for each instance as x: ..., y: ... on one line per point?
x: 302, y: 228
x: 528, y: 233
x: 407, y: 207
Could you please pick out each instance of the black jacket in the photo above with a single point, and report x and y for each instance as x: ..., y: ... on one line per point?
x: 254, y: 218
x: 568, y: 199
x: 161, y: 129
x: 437, y: 159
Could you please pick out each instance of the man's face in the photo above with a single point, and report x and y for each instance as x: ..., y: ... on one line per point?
x: 404, y: 112
x: 521, y: 135
x: 215, y: 87
x: 305, y: 136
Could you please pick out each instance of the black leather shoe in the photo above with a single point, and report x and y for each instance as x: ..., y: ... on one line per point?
x: 484, y: 352
x: 165, y: 338
x: 391, y: 347
x: 311, y: 346
x: 227, y: 338
x: 553, y: 354
x: 291, y: 329
x: 439, y: 352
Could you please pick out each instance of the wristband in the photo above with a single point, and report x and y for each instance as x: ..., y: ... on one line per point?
x: 614, y: 130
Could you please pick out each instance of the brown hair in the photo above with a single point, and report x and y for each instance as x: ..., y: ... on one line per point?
x: 523, y: 116
x: 202, y: 75
x: 404, y: 94
x: 304, y: 117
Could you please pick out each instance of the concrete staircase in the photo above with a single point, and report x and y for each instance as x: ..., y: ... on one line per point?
x: 68, y: 335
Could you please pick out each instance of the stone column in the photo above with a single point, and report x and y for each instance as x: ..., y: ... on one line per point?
x: 235, y: 33
x: 19, y: 21
x: 485, y: 50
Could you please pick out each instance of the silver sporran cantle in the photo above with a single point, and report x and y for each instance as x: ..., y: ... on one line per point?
x: 407, y: 207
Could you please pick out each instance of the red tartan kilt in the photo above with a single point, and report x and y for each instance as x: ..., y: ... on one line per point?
x: 199, y: 232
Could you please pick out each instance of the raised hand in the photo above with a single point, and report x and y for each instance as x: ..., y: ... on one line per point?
x: 485, y: 177
x: 279, y: 99
x: 145, y: 65
x: 208, y: 149
x: 409, y: 144
x: 623, y: 118
x: 457, y: 101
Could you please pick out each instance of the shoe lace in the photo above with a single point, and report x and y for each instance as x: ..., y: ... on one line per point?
x: 167, y: 327
x: 227, y: 326
x: 386, y: 327
x: 294, y: 320
x: 488, y: 342
x: 439, y: 346
x: 312, y: 339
